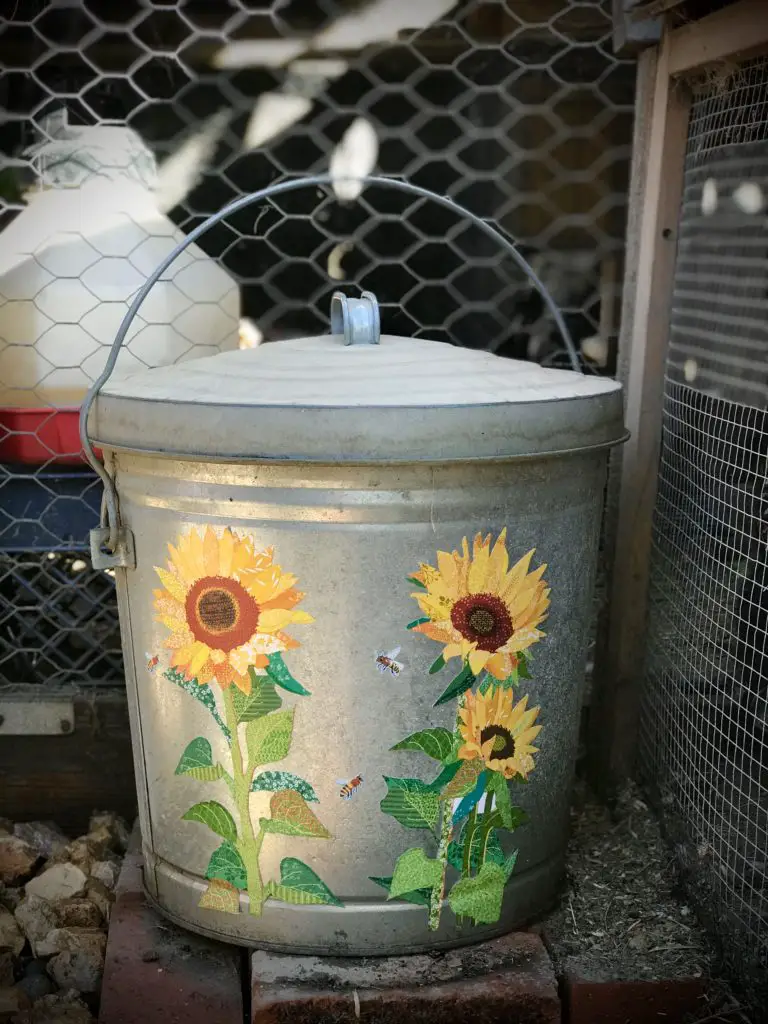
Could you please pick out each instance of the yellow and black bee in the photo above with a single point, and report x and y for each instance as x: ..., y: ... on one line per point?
x: 350, y: 787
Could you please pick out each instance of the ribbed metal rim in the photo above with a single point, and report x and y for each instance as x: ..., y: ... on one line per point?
x: 340, y: 460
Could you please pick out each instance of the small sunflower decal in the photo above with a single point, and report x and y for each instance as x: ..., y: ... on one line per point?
x: 481, y: 610
x: 226, y: 607
x: 500, y: 732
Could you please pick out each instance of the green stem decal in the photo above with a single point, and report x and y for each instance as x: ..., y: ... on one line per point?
x: 249, y: 845
x: 213, y: 584
x: 446, y: 831
x: 469, y: 840
x: 473, y: 597
x: 436, y: 896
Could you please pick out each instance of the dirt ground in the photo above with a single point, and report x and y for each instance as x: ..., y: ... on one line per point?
x: 623, y: 915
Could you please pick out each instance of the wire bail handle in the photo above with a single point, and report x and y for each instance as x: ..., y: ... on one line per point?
x: 357, y: 319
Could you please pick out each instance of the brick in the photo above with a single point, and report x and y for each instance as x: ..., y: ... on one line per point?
x: 504, y: 981
x: 632, y: 1002
x: 156, y: 973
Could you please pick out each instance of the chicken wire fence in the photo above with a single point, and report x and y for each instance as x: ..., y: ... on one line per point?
x: 518, y: 110
x: 703, y: 741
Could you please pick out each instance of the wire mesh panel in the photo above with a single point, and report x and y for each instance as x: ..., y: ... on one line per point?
x: 704, y: 745
x: 516, y: 109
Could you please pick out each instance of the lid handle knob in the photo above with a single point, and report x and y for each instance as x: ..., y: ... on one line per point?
x: 357, y: 319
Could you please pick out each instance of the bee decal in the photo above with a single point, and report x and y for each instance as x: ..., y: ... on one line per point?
x: 349, y: 786
x: 385, y: 662
x: 152, y: 660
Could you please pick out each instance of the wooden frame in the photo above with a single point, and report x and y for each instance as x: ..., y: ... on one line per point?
x: 663, y: 104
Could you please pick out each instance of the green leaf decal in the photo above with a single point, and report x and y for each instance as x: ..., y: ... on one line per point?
x: 268, y: 739
x: 227, y: 864
x: 464, y: 781
x: 437, y: 665
x: 435, y: 743
x: 416, y: 583
x: 482, y: 851
x: 291, y: 816
x: 505, y: 815
x: 202, y: 694
x: 197, y: 762
x: 510, y: 817
x: 509, y: 864
x: 480, y: 896
x: 521, y: 671
x: 280, y: 676
x: 220, y: 895
x: 445, y: 777
x: 418, y: 622
x: 411, y: 802
x: 217, y: 818
x: 420, y: 897
x: 272, y: 782
x: 300, y: 878
x: 262, y: 699
x: 459, y: 684
x: 414, y: 870
x: 276, y: 891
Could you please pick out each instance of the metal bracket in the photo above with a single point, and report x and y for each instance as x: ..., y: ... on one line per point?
x: 33, y: 716
x: 124, y: 555
x: 357, y: 319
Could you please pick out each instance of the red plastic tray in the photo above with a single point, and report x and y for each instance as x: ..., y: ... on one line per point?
x: 41, y: 436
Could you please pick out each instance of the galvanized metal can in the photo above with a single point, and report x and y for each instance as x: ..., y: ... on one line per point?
x: 356, y: 633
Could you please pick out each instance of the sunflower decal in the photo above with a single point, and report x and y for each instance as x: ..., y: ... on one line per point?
x: 227, y: 608
x: 499, y: 732
x: 487, y: 614
x: 481, y: 610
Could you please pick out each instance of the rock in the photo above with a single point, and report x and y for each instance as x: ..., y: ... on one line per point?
x: 11, y: 936
x: 17, y: 860
x: 36, y: 917
x: 81, y: 852
x: 78, y: 912
x: 6, y: 970
x: 12, y: 1001
x: 58, y: 882
x: 99, y: 843
x: 78, y: 969
x: 45, y: 837
x: 10, y: 898
x: 106, y: 871
x: 61, y: 1008
x: 73, y: 940
x: 6, y: 827
x: 36, y: 984
x: 114, y: 825
x: 100, y: 895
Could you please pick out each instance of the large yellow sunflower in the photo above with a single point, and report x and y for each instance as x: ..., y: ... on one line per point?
x: 499, y: 731
x: 479, y: 608
x: 226, y: 607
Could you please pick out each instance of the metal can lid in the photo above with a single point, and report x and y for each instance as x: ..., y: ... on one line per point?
x: 319, y: 399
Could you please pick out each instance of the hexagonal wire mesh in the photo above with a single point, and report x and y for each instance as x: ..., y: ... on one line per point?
x: 516, y: 109
x: 703, y: 739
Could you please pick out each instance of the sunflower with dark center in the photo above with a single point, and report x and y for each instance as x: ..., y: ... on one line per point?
x: 479, y: 608
x: 226, y: 607
x: 499, y: 732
